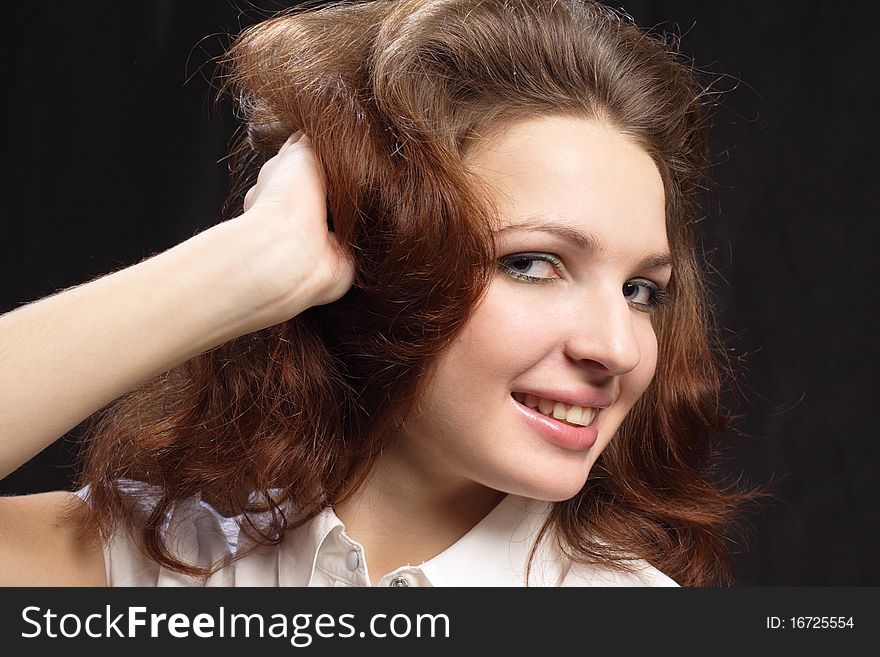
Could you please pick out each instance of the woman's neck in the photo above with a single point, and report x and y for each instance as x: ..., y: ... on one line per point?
x: 400, y: 516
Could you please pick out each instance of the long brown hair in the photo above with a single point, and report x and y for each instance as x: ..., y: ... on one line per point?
x: 393, y: 95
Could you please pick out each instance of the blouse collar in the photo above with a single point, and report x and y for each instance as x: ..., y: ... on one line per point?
x: 494, y: 552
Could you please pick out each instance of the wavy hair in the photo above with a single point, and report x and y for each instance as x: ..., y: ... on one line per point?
x: 393, y: 95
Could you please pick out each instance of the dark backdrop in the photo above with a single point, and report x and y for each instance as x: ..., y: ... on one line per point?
x: 113, y: 148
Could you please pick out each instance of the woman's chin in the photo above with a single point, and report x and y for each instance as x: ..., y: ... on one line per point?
x: 551, y: 488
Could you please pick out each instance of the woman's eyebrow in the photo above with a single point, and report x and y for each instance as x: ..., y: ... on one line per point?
x: 584, y: 241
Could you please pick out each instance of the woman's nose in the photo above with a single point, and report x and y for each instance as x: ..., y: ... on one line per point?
x: 604, y: 331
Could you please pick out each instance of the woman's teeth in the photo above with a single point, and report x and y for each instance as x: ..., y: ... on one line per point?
x: 577, y: 415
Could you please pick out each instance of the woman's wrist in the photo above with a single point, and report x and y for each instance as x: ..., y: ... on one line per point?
x: 259, y: 286
x: 226, y: 272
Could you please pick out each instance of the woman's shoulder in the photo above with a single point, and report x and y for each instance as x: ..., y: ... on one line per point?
x: 193, y: 530
x: 43, y: 543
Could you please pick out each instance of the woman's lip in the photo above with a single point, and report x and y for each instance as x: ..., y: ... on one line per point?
x: 587, y: 398
x: 559, y: 433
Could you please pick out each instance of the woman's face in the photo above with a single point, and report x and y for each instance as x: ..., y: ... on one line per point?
x: 582, y: 252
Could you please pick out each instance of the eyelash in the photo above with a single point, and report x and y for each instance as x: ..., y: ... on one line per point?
x: 504, y: 265
x: 658, y: 297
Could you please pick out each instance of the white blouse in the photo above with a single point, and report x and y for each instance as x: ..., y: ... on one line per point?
x: 319, y: 553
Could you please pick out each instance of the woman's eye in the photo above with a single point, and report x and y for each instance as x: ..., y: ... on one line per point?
x: 533, y: 267
x: 644, y: 294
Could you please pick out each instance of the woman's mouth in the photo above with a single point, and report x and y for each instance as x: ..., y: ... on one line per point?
x: 571, y: 427
x: 579, y: 416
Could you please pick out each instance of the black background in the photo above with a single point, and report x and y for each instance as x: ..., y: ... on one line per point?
x: 113, y: 150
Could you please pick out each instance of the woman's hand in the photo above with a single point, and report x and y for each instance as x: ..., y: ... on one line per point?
x: 298, y: 261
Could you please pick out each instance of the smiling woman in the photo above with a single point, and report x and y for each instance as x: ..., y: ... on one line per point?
x: 456, y: 336
x: 566, y: 321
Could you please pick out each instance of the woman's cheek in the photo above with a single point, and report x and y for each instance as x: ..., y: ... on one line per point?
x: 506, y: 331
x: 647, y: 367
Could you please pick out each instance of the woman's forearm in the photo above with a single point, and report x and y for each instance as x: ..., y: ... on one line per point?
x: 68, y: 355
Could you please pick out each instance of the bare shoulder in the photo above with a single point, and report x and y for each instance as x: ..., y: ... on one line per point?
x: 43, y: 544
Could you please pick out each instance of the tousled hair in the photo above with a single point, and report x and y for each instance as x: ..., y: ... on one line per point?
x: 393, y: 96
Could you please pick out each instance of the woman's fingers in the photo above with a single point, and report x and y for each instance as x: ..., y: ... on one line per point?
x: 291, y: 176
x: 271, y: 164
x: 249, y: 198
x: 295, y: 137
x: 288, y: 204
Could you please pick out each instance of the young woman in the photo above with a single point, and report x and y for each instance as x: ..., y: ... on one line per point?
x: 457, y: 336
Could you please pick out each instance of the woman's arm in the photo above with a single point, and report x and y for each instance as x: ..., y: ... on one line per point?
x: 66, y: 356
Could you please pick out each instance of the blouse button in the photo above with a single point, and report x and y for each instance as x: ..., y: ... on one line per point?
x: 399, y: 581
x: 352, y: 561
